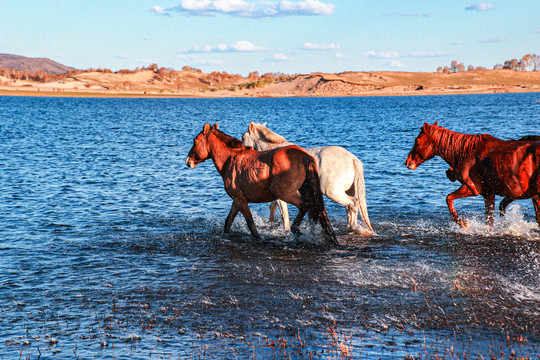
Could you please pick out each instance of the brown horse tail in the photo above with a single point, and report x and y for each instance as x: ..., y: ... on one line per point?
x: 360, y: 193
x: 310, y: 192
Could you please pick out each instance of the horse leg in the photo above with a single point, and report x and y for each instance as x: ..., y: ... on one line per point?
x: 468, y: 181
x: 352, y: 217
x: 504, y: 204
x: 284, y: 214
x: 230, y: 218
x: 301, y: 213
x: 536, y: 203
x: 273, y: 207
x: 283, y: 210
x: 462, y: 192
x: 287, y: 195
x: 244, y: 209
x: 351, y: 206
x: 489, y: 202
x: 294, y: 199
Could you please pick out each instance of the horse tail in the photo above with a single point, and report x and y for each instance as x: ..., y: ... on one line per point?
x: 310, y: 191
x: 360, y: 193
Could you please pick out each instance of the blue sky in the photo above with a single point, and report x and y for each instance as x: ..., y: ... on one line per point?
x: 291, y: 36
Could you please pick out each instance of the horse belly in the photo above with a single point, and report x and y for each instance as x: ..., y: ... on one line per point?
x: 258, y: 193
x: 250, y: 181
x: 256, y: 185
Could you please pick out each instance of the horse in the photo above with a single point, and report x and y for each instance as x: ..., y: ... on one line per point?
x: 249, y: 176
x: 341, y: 174
x: 505, y: 202
x: 483, y: 164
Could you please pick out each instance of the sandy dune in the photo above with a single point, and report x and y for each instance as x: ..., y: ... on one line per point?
x: 197, y: 84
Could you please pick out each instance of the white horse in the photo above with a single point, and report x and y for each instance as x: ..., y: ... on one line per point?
x: 340, y: 172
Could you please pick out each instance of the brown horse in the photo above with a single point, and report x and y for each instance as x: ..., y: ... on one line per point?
x: 289, y: 174
x: 484, y: 165
x: 452, y: 176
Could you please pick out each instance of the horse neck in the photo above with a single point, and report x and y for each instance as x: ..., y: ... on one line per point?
x: 269, y: 140
x: 455, y: 147
x: 219, y: 152
x: 263, y: 145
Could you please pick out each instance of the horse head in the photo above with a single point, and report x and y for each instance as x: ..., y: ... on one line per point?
x: 252, y: 136
x: 259, y: 137
x: 200, y: 151
x: 422, y: 149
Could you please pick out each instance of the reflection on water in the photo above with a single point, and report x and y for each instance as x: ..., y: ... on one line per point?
x: 112, y: 248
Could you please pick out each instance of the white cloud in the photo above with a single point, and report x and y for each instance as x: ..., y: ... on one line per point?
x: 233, y: 6
x: 341, y: 56
x: 492, y: 40
x: 147, y: 61
x: 391, y: 54
x: 242, y: 8
x: 481, y: 6
x: 210, y: 62
x: 427, y: 55
x: 395, y: 64
x: 278, y: 57
x: 312, y: 46
x: 246, y: 46
x: 240, y: 46
x: 538, y: 31
x: 159, y: 10
x: 305, y: 7
x: 382, y: 54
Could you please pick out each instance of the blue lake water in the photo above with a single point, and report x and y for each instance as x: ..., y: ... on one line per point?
x: 110, y: 247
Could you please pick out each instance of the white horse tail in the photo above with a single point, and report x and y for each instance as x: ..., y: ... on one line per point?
x: 360, y: 192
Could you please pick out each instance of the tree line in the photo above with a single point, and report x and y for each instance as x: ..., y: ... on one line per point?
x: 528, y: 62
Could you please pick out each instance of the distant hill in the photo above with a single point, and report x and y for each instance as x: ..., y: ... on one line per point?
x: 32, y: 64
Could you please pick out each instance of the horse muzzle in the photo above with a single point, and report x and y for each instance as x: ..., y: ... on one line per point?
x: 190, y: 163
x: 411, y: 165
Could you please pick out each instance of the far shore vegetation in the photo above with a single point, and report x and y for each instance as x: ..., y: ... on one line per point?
x: 223, y: 80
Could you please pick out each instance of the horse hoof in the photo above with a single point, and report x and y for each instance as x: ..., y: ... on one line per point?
x: 359, y: 230
x: 463, y: 223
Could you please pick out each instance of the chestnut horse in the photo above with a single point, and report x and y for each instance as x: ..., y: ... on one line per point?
x: 451, y: 175
x: 289, y: 174
x: 484, y: 165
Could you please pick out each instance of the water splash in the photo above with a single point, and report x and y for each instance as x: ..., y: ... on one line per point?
x: 513, y: 224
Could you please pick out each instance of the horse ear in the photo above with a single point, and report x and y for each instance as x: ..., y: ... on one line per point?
x: 215, y: 126
x: 206, y: 128
x: 251, y: 126
x: 425, y: 127
x: 436, y: 123
x: 264, y: 124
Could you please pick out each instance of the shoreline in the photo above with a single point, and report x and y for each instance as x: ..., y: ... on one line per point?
x: 186, y: 84
x: 254, y: 94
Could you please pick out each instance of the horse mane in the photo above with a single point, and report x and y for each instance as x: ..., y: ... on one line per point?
x: 269, y: 135
x: 457, y: 145
x: 230, y: 141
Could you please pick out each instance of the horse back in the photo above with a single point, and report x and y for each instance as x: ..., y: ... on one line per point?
x: 288, y: 157
x: 516, y: 166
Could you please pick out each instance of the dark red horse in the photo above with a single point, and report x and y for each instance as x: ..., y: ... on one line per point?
x: 484, y: 165
x: 452, y: 176
x: 289, y: 174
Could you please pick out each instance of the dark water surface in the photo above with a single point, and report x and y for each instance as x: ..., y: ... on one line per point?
x: 110, y: 247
